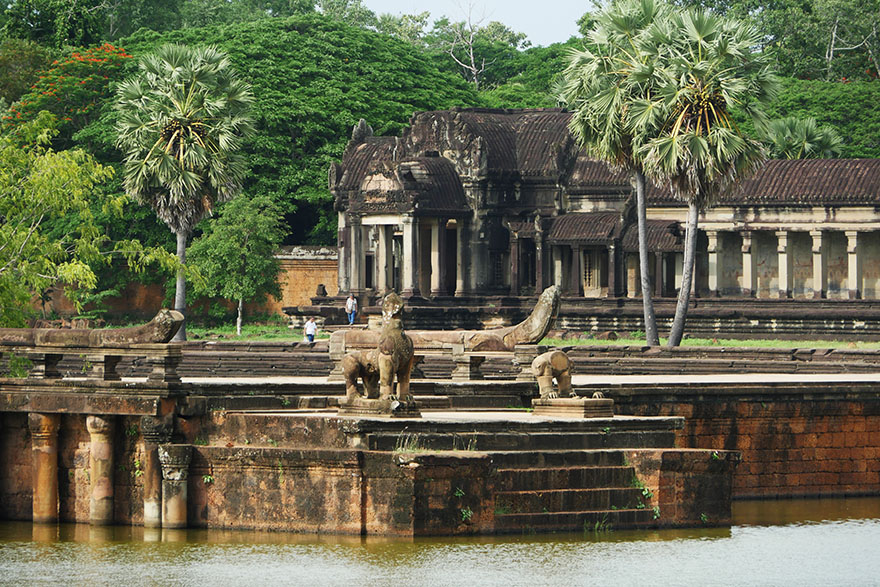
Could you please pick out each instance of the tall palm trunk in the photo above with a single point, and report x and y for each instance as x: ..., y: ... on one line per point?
x: 687, y: 277
x: 647, y: 303
x: 180, y: 292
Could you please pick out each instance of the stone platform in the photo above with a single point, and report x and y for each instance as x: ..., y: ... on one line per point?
x: 482, y: 472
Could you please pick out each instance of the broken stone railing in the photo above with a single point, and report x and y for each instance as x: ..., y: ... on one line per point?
x: 100, y: 350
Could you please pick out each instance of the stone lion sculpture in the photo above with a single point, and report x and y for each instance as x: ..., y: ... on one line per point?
x: 377, y: 368
x: 550, y: 365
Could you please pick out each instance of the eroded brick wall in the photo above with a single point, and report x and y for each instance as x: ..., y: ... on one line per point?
x: 793, y: 447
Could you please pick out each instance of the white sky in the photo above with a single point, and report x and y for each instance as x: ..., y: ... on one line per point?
x: 544, y: 21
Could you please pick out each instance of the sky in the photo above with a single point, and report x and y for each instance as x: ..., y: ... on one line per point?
x: 544, y: 21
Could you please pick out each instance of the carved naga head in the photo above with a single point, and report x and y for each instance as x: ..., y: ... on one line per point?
x: 392, y: 307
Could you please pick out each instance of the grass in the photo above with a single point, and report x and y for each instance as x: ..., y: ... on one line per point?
x: 279, y: 332
x: 722, y: 342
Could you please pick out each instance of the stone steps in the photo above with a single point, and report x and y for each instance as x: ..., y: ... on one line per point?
x: 594, y: 521
x: 537, y: 479
x: 569, y: 500
x: 526, y: 441
x: 558, y: 458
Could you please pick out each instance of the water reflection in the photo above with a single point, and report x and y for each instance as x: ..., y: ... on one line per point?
x: 771, y: 543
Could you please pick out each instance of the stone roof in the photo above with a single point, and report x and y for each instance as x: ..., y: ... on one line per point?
x: 585, y: 228
x: 533, y: 145
x: 422, y: 185
x: 662, y: 236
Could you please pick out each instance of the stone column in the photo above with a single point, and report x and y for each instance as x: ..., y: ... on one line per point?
x: 100, y: 469
x: 556, y: 251
x: 750, y: 273
x: 436, y: 258
x: 633, y: 283
x: 514, y: 266
x: 343, y: 249
x: 658, y: 274
x: 44, y: 441
x: 539, y: 260
x: 460, y: 257
x: 854, y: 265
x: 382, y: 260
x: 819, y: 265
x: 357, y: 271
x: 786, y: 266
x: 175, y: 474
x: 155, y: 431
x: 576, y: 271
x: 712, y: 236
x: 613, y: 290
x: 410, y: 256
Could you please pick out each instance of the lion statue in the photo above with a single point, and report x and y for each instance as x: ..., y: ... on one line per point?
x: 377, y: 368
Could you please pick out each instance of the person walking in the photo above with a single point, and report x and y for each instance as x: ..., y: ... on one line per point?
x: 351, y: 308
x: 311, y: 329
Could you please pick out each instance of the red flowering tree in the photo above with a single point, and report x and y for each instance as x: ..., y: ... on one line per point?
x: 74, y: 89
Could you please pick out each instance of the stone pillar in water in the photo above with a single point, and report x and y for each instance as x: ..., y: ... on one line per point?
x: 100, y: 469
x: 175, y: 473
x: 44, y: 440
x: 155, y: 431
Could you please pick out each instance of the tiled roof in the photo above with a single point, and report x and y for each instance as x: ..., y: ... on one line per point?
x: 662, y: 235
x: 518, y: 144
x: 585, y: 228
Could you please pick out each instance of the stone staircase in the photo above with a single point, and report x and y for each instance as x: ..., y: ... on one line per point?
x: 594, y: 490
x: 563, y: 477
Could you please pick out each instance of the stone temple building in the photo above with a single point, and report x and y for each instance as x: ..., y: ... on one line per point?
x: 502, y: 202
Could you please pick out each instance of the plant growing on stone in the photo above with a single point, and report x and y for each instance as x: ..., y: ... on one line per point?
x: 182, y: 119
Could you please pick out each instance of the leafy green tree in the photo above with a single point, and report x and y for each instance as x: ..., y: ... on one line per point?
x: 406, y: 27
x: 181, y: 123
x: 351, y: 12
x: 796, y: 138
x: 849, y: 108
x: 20, y: 64
x: 313, y: 78
x: 812, y: 39
x: 55, y: 23
x: 603, y: 85
x: 706, y: 65
x: 235, y: 253
x: 49, y: 235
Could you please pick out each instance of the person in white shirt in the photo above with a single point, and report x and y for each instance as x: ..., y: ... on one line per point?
x: 351, y: 308
x: 311, y: 329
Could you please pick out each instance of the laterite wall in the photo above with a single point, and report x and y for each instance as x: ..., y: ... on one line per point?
x: 798, y: 444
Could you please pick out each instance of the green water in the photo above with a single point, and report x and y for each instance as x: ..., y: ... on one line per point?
x: 802, y: 542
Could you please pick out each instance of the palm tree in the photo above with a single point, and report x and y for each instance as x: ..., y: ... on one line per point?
x: 601, y: 84
x: 708, y: 67
x: 182, y: 119
x: 802, y: 138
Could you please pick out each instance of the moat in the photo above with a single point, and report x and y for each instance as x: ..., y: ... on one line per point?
x: 772, y: 542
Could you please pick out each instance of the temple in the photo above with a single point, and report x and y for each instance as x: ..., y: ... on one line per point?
x: 502, y: 202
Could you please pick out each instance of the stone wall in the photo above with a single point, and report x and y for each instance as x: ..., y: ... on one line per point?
x: 805, y: 443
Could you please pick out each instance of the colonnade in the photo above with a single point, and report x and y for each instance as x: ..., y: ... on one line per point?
x: 812, y: 263
x: 165, y: 470
x: 422, y: 256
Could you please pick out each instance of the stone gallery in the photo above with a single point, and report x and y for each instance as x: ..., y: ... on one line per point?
x: 480, y: 201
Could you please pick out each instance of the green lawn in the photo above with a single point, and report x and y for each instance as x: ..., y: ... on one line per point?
x: 273, y: 332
